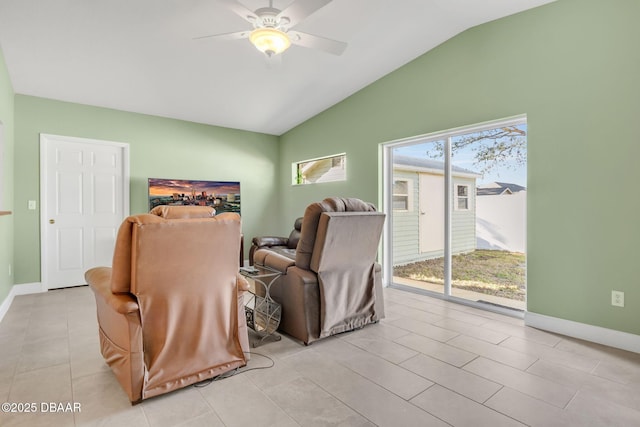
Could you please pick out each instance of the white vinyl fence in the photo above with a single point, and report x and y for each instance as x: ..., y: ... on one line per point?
x: 501, y: 222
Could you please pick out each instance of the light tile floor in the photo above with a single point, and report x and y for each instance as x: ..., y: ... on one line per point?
x: 429, y: 362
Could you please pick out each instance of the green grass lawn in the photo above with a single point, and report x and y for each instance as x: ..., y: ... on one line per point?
x: 498, y: 273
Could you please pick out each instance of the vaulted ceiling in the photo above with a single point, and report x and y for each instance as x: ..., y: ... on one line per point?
x: 141, y: 56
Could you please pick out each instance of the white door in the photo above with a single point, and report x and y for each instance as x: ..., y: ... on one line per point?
x: 84, y: 198
x: 431, y: 222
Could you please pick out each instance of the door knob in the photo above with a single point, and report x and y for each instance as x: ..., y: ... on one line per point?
x: 52, y: 221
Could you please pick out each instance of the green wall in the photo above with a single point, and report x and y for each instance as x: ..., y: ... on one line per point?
x: 573, y: 67
x: 6, y: 180
x: 159, y: 148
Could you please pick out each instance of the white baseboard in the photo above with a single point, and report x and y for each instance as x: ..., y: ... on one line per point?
x: 22, y: 289
x: 597, y: 334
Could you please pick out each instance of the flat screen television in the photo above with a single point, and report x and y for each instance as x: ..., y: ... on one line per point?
x: 223, y: 196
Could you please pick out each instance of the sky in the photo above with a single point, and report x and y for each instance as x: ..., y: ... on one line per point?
x: 510, y: 172
x: 166, y: 187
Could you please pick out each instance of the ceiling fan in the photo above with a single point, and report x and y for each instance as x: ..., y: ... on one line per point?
x: 272, y: 28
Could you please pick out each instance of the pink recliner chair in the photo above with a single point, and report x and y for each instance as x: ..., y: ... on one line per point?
x: 170, y: 309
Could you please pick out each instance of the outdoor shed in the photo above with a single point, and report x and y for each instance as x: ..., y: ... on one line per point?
x: 418, y: 209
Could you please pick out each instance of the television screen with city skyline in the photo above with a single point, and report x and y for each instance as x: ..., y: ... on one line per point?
x: 223, y: 196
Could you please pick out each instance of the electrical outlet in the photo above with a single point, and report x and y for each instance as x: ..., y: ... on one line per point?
x: 32, y: 205
x: 617, y: 298
x: 9, y: 270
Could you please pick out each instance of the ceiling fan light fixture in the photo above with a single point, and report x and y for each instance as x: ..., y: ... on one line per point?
x: 270, y: 40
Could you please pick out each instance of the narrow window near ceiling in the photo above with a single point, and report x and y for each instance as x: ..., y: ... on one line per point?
x: 322, y: 169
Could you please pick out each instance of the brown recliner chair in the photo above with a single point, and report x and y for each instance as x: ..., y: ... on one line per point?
x: 334, y: 284
x: 170, y: 308
x: 283, y: 245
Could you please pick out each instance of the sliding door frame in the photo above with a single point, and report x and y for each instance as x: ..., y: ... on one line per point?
x: 386, y: 194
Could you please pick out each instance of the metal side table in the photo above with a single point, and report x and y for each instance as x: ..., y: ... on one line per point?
x: 262, y: 312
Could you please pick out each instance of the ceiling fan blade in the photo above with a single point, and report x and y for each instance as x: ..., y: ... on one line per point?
x: 316, y: 42
x: 300, y: 9
x: 240, y: 10
x: 226, y: 36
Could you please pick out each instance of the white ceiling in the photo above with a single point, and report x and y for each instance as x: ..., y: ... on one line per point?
x: 140, y: 56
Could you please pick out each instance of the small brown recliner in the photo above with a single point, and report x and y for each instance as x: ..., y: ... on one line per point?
x: 334, y: 284
x: 284, y: 245
x: 170, y: 308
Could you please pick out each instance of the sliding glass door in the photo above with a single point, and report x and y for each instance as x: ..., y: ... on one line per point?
x: 456, y: 203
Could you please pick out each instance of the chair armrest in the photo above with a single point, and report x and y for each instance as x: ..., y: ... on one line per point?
x: 273, y: 260
x: 269, y: 241
x: 99, y: 279
x: 265, y: 242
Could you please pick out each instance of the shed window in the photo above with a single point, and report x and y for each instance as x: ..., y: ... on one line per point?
x: 401, y: 195
x: 462, y: 197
